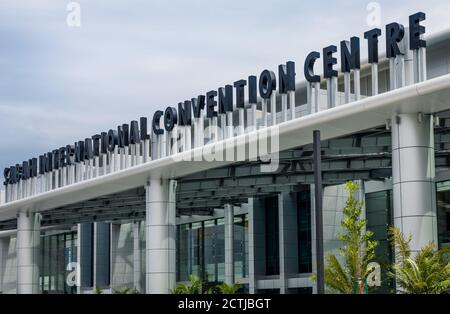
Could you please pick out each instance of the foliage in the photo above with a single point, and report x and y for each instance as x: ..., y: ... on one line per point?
x: 98, y: 290
x: 358, y: 250
x: 426, y: 272
x: 196, y: 286
x: 125, y: 291
x: 228, y: 289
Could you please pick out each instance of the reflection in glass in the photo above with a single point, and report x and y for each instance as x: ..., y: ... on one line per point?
x: 57, y: 251
x: 443, y: 213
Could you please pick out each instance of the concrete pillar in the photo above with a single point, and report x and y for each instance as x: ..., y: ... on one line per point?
x: 229, y: 244
x: 28, y: 240
x: 413, y: 171
x: 160, y: 235
x: 136, y: 256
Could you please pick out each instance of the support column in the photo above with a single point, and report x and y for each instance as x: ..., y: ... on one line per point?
x: 229, y: 244
x: 28, y: 238
x: 413, y: 171
x: 160, y: 235
x: 136, y: 256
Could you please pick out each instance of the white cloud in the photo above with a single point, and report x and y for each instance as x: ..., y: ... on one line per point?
x: 60, y: 84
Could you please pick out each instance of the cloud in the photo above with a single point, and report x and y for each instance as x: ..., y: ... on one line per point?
x: 60, y: 84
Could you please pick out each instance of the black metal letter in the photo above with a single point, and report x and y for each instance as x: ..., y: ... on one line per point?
x: 416, y: 30
x: 394, y: 34
x: 240, y: 97
x: 211, y: 103
x: 198, y: 104
x: 134, y: 132
x: 155, y: 123
x: 350, y: 55
x: 372, y: 43
x: 267, y: 84
x: 225, y: 99
x: 286, y: 77
x: 170, y: 118
x: 308, y: 68
x: 184, y: 113
x: 252, y: 90
x: 143, y: 124
x: 329, y: 61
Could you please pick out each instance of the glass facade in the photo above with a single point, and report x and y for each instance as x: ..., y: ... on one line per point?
x: 379, y: 218
x: 57, y: 252
x: 240, y: 246
x: 304, y: 231
x: 443, y: 213
x: 201, y: 249
x: 272, y: 248
x: 214, y: 250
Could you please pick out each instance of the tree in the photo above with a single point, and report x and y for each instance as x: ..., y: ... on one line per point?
x: 358, y: 250
x: 427, y: 272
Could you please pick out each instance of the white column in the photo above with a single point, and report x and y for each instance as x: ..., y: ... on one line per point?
x: 273, y: 108
x: 291, y: 97
x: 28, y: 238
x: 160, y: 235
x: 229, y: 243
x: 136, y: 256
x: 413, y: 171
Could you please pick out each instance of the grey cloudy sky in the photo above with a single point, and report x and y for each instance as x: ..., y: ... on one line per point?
x: 59, y: 84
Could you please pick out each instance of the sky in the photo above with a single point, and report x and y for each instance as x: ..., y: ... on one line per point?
x: 60, y: 83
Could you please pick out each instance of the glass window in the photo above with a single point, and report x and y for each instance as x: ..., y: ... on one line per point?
x: 304, y: 231
x: 443, y: 213
x: 272, y: 236
x: 196, y: 248
x: 201, y: 250
x: 57, y: 251
x: 183, y: 252
x: 240, y: 246
x: 379, y: 217
x: 220, y: 250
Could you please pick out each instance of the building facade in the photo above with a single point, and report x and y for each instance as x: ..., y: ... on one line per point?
x: 142, y: 212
